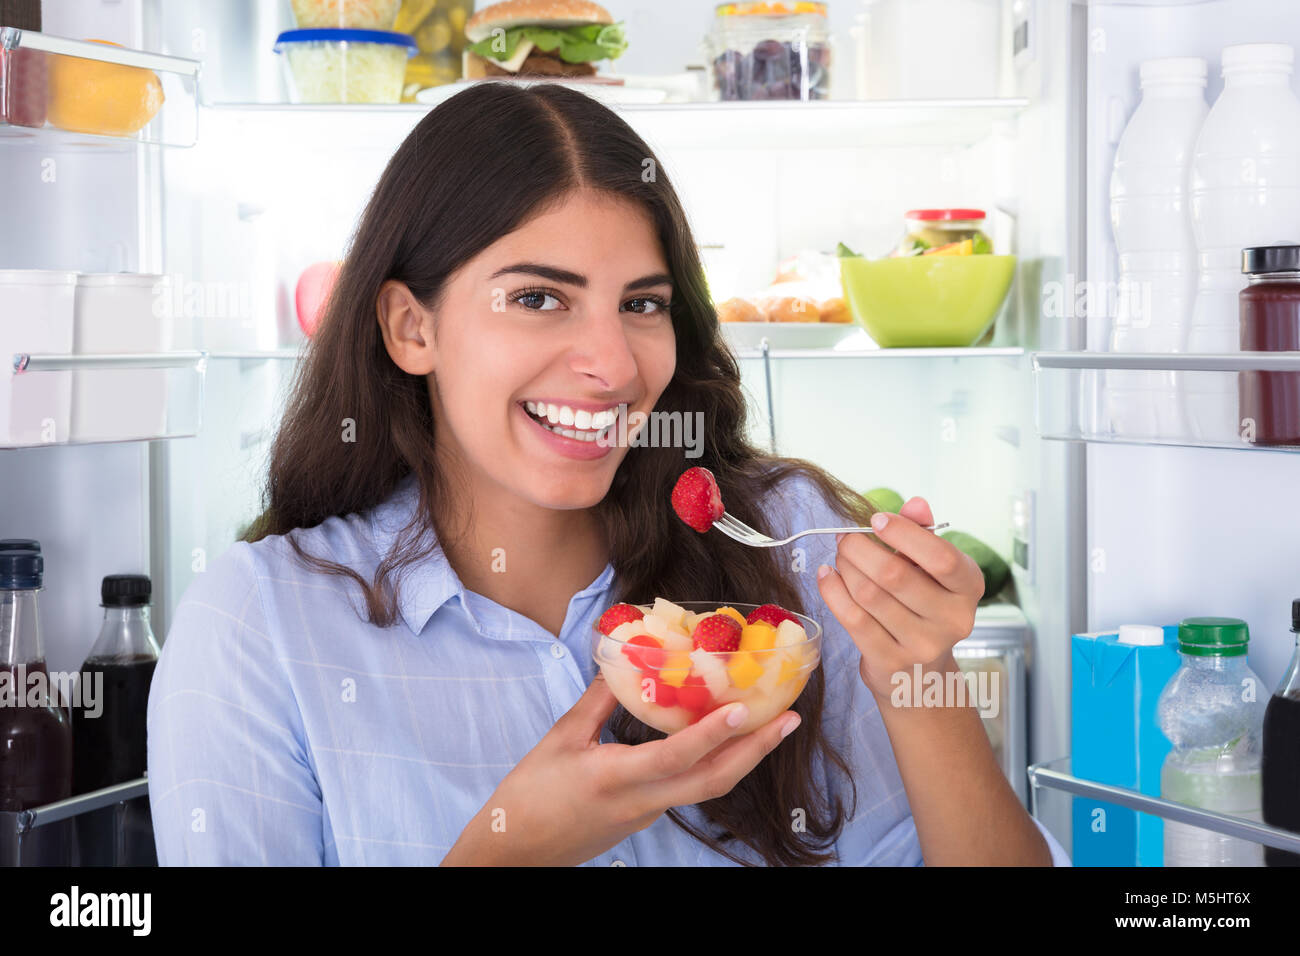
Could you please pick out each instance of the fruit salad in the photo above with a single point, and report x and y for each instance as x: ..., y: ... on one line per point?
x: 671, y: 664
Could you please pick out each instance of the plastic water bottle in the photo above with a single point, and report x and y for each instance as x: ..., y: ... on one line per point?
x: 1151, y: 218
x: 1212, y: 711
x: 1245, y: 191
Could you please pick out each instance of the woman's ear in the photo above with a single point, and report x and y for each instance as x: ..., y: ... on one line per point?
x: 407, y: 327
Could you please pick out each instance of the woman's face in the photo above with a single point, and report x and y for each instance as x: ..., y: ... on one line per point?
x: 568, y: 315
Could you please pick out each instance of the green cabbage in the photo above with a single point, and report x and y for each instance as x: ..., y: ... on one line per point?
x: 592, y: 41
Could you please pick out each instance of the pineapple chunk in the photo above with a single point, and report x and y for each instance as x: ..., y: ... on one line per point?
x: 628, y: 630
x: 758, y: 636
x: 731, y: 612
x: 692, y: 619
x: 670, y: 612
x: 744, y: 670
x: 675, y: 668
x: 712, y: 669
x: 790, y: 632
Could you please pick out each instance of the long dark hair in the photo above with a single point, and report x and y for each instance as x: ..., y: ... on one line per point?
x: 470, y: 172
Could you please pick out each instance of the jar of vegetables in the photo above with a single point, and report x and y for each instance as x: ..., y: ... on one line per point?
x: 770, y: 51
x: 953, y: 232
x: 438, y: 28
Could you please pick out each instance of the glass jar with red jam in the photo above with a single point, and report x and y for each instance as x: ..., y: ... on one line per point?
x: 1270, y: 322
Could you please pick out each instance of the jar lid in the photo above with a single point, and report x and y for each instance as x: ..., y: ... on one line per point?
x: 125, y: 590
x: 333, y: 35
x: 1140, y: 635
x: 770, y: 9
x: 1260, y: 260
x: 944, y: 214
x: 1213, y: 636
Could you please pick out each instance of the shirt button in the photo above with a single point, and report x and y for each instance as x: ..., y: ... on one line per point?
x: 618, y: 863
x: 557, y: 651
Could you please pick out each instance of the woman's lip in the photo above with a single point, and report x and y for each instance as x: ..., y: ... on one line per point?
x: 574, y: 448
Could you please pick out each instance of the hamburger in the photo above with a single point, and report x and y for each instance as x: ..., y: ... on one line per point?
x: 559, y: 38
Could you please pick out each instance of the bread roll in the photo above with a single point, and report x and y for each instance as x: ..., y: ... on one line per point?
x: 835, y: 310
x: 794, y: 308
x: 739, y: 310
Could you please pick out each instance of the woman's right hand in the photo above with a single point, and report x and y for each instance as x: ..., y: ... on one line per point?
x: 571, y: 798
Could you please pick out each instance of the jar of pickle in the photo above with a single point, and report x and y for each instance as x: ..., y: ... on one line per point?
x: 438, y: 28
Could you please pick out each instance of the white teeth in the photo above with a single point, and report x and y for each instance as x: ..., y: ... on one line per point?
x: 586, y: 425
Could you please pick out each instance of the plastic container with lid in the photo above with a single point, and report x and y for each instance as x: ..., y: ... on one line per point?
x: 944, y: 231
x: 770, y: 51
x: 345, y: 66
x: 345, y: 14
x: 1270, y: 322
x: 1215, y: 726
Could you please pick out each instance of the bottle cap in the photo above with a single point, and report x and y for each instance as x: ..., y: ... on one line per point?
x: 21, y: 569
x: 1141, y: 635
x: 1261, y: 260
x: 1295, y: 615
x: 1173, y: 69
x: 125, y: 590
x: 1268, y: 57
x: 20, y: 544
x: 1213, y: 636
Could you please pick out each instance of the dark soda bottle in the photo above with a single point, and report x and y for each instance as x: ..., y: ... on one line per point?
x: 109, y: 725
x: 35, y: 736
x: 1280, y: 765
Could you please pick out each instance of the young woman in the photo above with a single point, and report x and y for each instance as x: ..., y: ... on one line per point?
x: 394, y: 666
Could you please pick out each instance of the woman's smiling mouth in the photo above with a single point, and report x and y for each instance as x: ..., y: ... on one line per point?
x: 577, y: 422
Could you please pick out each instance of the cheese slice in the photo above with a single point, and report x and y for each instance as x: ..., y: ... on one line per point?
x: 515, y: 62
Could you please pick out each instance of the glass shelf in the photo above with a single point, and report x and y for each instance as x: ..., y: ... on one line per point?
x: 49, y: 88
x: 96, y: 399
x: 829, y: 124
x: 1238, y: 400
x: 1055, y: 775
x: 936, y: 353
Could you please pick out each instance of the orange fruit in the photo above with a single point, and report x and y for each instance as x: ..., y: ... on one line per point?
x: 109, y: 99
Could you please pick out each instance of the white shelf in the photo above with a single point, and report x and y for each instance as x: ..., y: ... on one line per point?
x: 825, y: 124
x: 897, y: 354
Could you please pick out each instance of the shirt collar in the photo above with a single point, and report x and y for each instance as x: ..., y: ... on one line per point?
x: 429, y: 585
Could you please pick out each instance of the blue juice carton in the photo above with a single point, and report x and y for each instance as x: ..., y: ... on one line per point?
x: 1116, y: 680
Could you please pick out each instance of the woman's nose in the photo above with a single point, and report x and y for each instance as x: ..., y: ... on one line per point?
x: 602, y: 350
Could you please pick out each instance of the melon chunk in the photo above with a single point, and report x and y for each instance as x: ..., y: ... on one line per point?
x: 712, y: 670
x: 790, y: 632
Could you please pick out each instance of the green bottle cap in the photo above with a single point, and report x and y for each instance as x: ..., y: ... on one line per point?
x: 1213, y: 636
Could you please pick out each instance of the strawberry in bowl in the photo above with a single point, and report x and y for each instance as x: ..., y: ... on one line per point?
x: 671, y: 664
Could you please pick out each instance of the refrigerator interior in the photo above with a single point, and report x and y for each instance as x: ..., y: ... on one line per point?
x: 268, y: 190
x: 1176, y: 532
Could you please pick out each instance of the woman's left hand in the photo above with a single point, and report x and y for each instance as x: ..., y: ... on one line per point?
x: 906, y: 608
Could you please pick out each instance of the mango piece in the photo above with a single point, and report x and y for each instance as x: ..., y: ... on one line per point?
x: 759, y: 636
x: 744, y: 670
x: 675, y: 668
x: 789, y: 669
x: 731, y: 612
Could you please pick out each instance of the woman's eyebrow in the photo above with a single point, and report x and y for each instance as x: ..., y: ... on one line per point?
x: 573, y: 278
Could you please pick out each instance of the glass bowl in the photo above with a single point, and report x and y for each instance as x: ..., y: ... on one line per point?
x: 669, y: 688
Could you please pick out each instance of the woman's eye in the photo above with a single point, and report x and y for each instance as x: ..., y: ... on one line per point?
x: 537, y: 301
x: 646, y: 306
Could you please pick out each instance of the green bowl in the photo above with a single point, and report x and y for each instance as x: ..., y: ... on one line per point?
x: 927, y: 301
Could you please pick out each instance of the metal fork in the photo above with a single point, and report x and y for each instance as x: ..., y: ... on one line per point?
x: 733, y: 527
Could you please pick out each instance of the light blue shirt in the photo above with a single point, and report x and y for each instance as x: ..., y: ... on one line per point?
x: 285, y: 730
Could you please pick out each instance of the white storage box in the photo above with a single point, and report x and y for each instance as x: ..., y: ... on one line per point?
x: 115, y: 314
x: 36, y: 317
